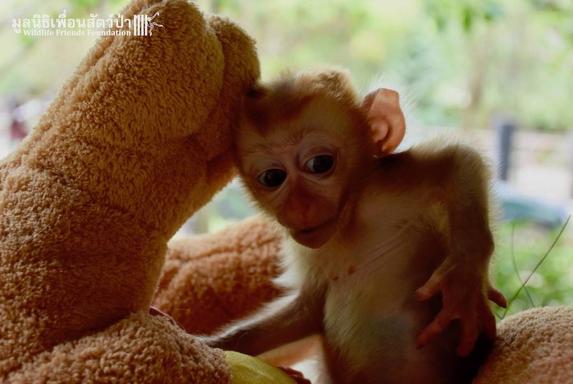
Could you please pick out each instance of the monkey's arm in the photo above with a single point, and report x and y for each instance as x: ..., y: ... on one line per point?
x: 462, y: 278
x: 294, y: 319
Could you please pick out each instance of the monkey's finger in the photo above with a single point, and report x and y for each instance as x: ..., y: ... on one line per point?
x: 430, y: 287
x: 297, y: 376
x: 435, y: 328
x: 489, y: 325
x: 497, y: 297
x: 468, y: 339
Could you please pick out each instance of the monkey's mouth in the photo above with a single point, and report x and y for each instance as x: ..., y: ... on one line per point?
x: 315, y: 236
x: 308, y: 231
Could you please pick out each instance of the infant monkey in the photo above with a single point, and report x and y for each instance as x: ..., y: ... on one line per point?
x: 388, y: 248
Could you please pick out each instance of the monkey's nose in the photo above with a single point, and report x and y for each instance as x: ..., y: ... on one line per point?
x: 299, y: 217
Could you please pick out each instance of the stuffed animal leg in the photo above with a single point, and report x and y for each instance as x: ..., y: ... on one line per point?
x: 134, y: 143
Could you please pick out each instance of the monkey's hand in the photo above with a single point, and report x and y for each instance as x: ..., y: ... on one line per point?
x: 297, y: 376
x: 465, y: 292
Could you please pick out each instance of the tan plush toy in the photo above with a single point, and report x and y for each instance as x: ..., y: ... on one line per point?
x: 134, y: 143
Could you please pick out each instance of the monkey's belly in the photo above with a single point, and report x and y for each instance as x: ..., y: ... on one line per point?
x: 372, y: 339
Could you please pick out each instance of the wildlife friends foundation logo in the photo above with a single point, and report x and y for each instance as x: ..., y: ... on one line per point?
x: 64, y: 26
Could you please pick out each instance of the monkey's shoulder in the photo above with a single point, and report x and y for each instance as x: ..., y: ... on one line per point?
x: 383, y: 207
x: 402, y: 174
x: 428, y: 167
x: 392, y: 201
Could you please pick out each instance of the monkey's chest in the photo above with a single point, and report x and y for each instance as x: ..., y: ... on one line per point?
x: 372, y: 317
x: 367, y: 317
x: 371, y: 313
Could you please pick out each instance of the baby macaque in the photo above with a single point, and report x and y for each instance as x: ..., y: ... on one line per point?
x: 389, y: 251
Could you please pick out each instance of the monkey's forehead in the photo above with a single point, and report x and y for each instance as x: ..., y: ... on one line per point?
x: 332, y: 82
x: 314, y: 114
x: 289, y: 142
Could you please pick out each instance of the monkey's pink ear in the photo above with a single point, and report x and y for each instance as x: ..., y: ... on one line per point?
x: 387, y: 123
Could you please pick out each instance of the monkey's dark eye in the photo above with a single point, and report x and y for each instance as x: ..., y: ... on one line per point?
x: 319, y: 164
x: 272, y: 178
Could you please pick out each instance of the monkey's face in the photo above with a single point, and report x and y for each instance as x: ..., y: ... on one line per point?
x: 299, y: 170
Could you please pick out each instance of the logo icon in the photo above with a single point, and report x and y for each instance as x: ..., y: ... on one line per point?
x: 143, y: 25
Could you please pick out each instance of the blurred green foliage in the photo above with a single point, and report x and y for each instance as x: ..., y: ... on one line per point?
x: 459, y: 61
x: 519, y: 248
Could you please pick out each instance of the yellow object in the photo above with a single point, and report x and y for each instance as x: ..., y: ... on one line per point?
x: 246, y: 369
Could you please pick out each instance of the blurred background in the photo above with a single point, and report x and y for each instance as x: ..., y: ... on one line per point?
x: 496, y: 73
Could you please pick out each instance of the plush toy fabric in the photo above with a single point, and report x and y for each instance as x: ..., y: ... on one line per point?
x: 134, y: 143
x: 534, y: 346
x: 210, y: 280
